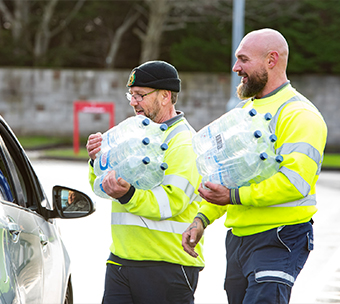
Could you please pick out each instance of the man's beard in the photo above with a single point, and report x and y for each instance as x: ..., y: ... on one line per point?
x: 154, y: 110
x: 254, y: 85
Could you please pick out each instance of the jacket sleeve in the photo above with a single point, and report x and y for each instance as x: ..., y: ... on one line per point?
x: 211, y: 212
x: 302, y: 134
x: 91, y: 175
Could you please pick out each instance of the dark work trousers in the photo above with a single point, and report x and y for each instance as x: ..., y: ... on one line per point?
x: 164, y: 284
x: 262, y: 268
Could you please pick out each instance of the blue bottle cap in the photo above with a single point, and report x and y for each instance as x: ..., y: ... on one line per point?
x: 268, y: 116
x: 257, y: 133
x: 146, y: 160
x: 146, y: 141
x: 146, y: 122
x: 252, y: 112
x: 164, y: 146
x: 263, y: 155
x: 273, y: 138
x: 279, y: 158
x: 163, y: 127
x: 164, y: 166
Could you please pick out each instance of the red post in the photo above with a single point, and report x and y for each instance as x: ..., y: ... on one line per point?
x: 89, y: 107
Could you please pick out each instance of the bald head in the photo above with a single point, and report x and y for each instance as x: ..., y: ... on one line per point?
x: 265, y: 41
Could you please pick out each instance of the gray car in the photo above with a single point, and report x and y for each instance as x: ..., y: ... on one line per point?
x: 34, y: 263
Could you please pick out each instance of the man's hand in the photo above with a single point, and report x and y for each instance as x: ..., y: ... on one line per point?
x: 93, y: 145
x: 216, y: 194
x: 192, y: 236
x: 113, y: 187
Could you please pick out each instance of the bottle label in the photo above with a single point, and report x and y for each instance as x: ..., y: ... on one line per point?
x: 103, y: 161
x: 204, y: 135
x: 219, y: 142
x: 101, y: 187
x: 220, y: 178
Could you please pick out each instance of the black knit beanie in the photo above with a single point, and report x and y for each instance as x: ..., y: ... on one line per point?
x: 155, y: 74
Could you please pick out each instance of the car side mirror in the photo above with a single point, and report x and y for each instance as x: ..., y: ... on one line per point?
x: 71, y: 203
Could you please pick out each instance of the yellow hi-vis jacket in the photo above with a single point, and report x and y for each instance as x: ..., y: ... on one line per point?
x: 288, y: 197
x: 149, y: 226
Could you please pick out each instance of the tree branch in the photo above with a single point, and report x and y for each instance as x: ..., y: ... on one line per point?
x: 8, y: 15
x: 68, y: 19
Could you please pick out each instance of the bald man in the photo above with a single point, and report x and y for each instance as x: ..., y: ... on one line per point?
x: 271, y: 232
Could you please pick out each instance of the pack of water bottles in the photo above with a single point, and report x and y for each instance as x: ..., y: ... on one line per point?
x: 237, y: 149
x: 134, y: 149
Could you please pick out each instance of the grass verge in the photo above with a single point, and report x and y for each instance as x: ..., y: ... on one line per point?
x: 62, y: 148
x: 66, y: 153
x: 331, y: 160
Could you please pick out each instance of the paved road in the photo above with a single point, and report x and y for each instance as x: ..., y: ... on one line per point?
x: 88, y: 243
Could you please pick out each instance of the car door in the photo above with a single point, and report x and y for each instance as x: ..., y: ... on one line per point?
x: 35, y: 250
x: 21, y: 235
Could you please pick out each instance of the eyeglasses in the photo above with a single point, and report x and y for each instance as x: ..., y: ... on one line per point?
x: 138, y: 97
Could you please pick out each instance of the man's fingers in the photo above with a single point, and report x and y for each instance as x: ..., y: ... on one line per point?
x: 93, y: 145
x: 189, y: 245
x: 190, y: 238
x: 122, y: 182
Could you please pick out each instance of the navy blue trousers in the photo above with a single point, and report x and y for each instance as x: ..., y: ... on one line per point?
x: 262, y: 268
x: 161, y: 284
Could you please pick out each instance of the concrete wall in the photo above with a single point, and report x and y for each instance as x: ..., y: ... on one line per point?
x: 40, y: 101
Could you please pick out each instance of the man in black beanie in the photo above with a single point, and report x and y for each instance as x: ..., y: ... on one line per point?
x: 147, y: 264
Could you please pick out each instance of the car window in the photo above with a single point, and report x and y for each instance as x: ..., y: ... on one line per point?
x: 5, y: 189
x: 17, y: 170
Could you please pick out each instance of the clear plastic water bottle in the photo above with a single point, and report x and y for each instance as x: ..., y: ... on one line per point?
x: 211, y: 135
x: 153, y: 176
x: 237, y: 171
x: 112, y: 157
x: 263, y: 119
x: 156, y: 150
x: 132, y: 168
x: 269, y: 168
x: 266, y: 142
x: 153, y: 129
x: 130, y: 127
x: 98, y: 187
x: 239, y: 143
x: 238, y: 116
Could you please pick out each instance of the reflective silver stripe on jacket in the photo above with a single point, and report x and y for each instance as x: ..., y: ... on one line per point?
x: 300, y: 147
x: 304, y: 148
x: 163, y: 202
x: 134, y: 220
x: 183, y: 184
x: 178, y: 129
x: 310, y: 200
x: 319, y: 166
x: 273, y: 122
x: 300, y: 184
x: 178, y: 181
x: 274, y: 274
x: 163, y: 199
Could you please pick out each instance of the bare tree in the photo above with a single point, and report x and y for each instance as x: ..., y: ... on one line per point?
x: 168, y: 15
x: 117, y: 36
x: 45, y: 33
x: 17, y: 19
x: 150, y: 34
x: 19, y: 22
